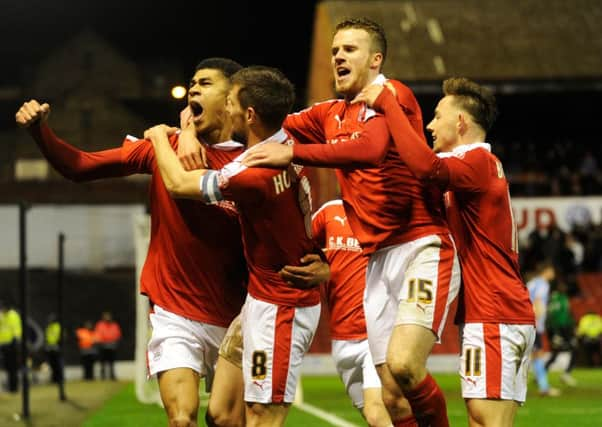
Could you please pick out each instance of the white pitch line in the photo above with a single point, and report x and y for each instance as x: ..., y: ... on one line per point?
x: 326, y: 416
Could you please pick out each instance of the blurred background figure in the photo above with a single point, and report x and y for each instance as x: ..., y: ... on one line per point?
x: 10, y: 335
x: 560, y: 328
x: 86, y: 342
x: 108, y: 334
x: 53, y: 349
x: 589, y: 333
x: 35, y: 339
x: 539, y: 292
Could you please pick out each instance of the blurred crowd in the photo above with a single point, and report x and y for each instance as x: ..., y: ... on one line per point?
x: 558, y: 168
x: 572, y: 252
x: 96, y: 343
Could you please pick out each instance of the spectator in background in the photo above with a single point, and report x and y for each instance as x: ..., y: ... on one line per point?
x: 86, y: 342
x: 108, y: 334
x: 53, y: 349
x: 560, y: 327
x: 10, y: 335
x: 589, y: 332
x: 539, y: 292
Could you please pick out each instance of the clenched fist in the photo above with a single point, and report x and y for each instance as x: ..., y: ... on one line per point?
x: 31, y: 112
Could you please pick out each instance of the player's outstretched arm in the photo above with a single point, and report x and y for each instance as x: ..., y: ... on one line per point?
x: 178, y: 181
x: 71, y: 162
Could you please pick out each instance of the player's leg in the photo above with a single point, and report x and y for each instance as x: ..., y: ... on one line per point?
x: 430, y: 283
x: 180, y: 352
x: 374, y: 410
x: 226, y: 406
x: 357, y: 372
x: 494, y: 367
x: 397, y: 405
x: 275, y: 339
x: 179, y: 388
x: 380, y: 309
x: 491, y: 413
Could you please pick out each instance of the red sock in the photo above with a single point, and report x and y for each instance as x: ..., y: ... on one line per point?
x: 408, y: 421
x: 428, y: 403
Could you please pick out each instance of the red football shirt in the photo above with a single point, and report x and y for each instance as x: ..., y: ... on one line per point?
x: 345, y: 290
x: 385, y: 203
x: 274, y: 208
x: 480, y: 219
x: 195, y: 265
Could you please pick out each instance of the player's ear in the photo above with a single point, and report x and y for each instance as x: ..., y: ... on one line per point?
x: 251, y: 115
x: 461, y: 124
x: 377, y: 60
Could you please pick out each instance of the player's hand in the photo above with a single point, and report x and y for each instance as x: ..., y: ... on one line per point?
x: 191, y: 152
x: 368, y: 94
x: 31, y: 112
x: 158, y: 131
x: 310, y: 274
x: 185, y: 117
x: 371, y: 92
x: 270, y: 155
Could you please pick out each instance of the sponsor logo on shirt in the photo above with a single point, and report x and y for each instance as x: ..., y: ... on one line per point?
x: 344, y: 243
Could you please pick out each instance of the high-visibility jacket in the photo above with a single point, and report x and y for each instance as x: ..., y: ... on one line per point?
x: 53, y: 335
x: 107, y: 332
x: 86, y: 338
x: 590, y: 326
x: 10, y: 326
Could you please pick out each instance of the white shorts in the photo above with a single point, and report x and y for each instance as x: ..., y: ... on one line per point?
x: 411, y: 283
x: 494, y: 363
x: 178, y: 342
x: 354, y: 365
x: 275, y: 339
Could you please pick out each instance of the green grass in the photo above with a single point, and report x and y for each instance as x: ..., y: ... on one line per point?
x: 576, y: 407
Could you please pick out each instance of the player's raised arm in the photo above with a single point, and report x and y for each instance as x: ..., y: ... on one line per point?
x: 178, y: 181
x: 72, y: 163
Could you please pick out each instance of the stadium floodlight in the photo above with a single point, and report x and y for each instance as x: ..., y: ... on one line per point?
x: 178, y: 92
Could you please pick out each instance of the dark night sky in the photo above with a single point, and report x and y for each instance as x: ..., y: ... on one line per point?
x: 184, y: 32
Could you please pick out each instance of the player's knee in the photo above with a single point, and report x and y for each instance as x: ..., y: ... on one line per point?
x: 257, y: 409
x: 222, y: 420
x: 404, y: 373
x: 182, y: 420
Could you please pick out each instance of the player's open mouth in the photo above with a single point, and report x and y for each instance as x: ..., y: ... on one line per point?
x: 196, y: 108
x: 341, y: 72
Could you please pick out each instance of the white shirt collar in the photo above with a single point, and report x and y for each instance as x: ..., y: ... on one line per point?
x: 462, y: 149
x: 229, y: 145
x: 278, y: 137
x: 379, y: 80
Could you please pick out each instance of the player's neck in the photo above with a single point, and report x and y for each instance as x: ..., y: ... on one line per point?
x: 258, y: 134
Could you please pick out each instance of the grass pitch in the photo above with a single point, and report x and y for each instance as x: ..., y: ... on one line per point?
x: 105, y: 403
x: 579, y: 406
